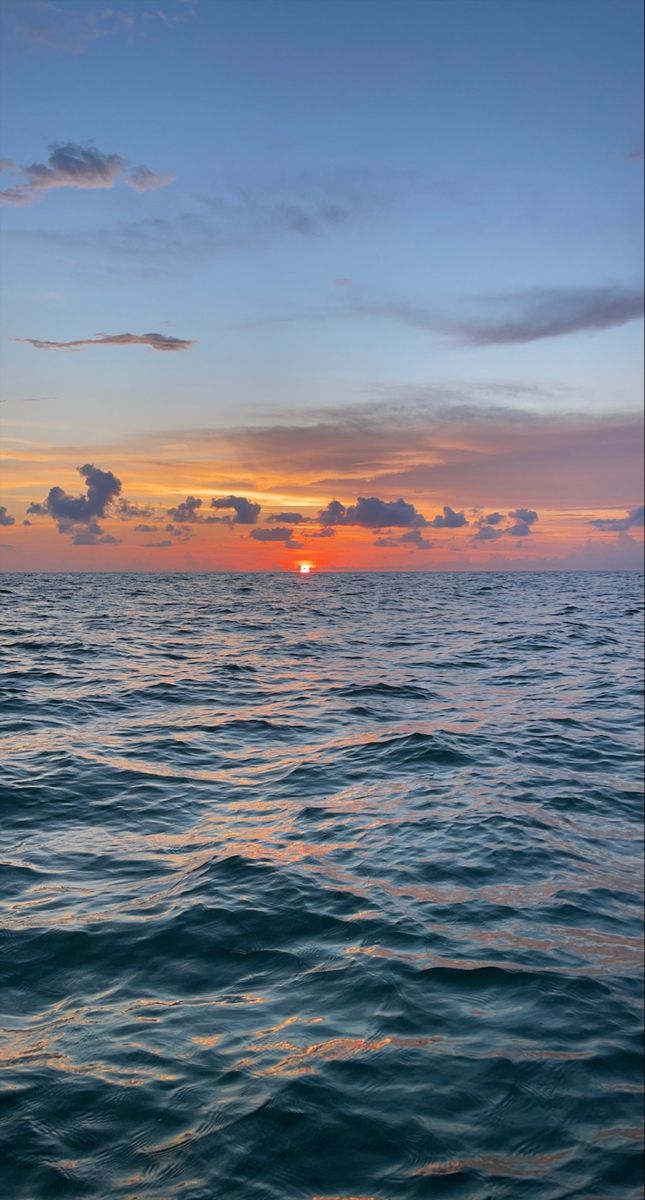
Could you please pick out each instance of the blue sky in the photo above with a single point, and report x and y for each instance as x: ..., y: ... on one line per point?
x: 356, y: 185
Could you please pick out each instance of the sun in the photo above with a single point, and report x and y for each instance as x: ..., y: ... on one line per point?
x: 305, y: 568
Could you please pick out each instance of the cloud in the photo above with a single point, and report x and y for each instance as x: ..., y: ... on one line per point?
x: 142, y: 179
x: 278, y: 534
x: 372, y: 513
x: 77, y: 515
x: 163, y: 544
x: 422, y: 444
x: 156, y: 341
x: 633, y: 520
x: 518, y: 524
x: 486, y: 533
x: 143, y: 528
x: 513, y: 318
x: 246, y: 511
x: 553, y: 312
x: 449, y: 519
x: 494, y: 518
x: 237, y: 219
x: 523, y: 518
x: 288, y: 518
x: 414, y: 538
x: 327, y: 532
x: 128, y: 511
x: 80, y: 167
x: 90, y: 535
x: 186, y: 512
x: 5, y: 518
x: 74, y: 28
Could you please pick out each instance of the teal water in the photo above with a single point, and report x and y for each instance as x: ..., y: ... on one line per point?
x: 321, y: 887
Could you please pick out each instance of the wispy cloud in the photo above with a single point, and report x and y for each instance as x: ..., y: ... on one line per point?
x: 633, y: 520
x: 156, y: 341
x: 513, y: 318
x: 416, y: 444
x: 142, y: 179
x: 81, y: 167
x: 552, y: 312
x: 237, y: 219
x: 74, y: 27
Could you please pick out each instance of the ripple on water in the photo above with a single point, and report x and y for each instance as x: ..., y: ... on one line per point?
x: 322, y: 888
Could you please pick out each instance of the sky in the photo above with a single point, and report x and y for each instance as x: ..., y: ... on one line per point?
x: 349, y: 283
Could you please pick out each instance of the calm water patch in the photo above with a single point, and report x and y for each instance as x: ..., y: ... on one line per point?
x: 322, y: 887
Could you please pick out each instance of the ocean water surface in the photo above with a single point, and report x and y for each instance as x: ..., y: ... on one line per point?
x: 321, y: 887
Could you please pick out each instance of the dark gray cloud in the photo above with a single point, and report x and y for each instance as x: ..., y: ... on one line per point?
x: 143, y: 528
x: 517, y: 523
x: 327, y: 532
x: 277, y: 534
x: 128, y: 511
x: 163, y: 544
x: 523, y: 519
x: 288, y: 518
x: 186, y: 512
x: 5, y: 518
x: 156, y: 341
x: 82, y: 167
x: 77, y: 515
x: 372, y: 513
x: 246, y: 511
x: 90, y: 535
x: 448, y: 519
x: 413, y: 539
x: 487, y: 533
x: 633, y: 520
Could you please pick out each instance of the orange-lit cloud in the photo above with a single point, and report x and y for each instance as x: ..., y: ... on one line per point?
x: 361, y: 489
x: 80, y: 167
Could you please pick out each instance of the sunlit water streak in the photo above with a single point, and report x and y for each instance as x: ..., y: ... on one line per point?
x: 321, y: 887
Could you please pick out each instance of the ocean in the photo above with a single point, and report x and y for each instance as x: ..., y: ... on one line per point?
x: 322, y: 887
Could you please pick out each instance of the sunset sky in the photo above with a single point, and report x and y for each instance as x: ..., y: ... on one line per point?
x: 348, y: 282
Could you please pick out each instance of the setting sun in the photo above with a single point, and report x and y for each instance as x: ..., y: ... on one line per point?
x: 305, y: 568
